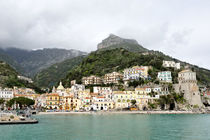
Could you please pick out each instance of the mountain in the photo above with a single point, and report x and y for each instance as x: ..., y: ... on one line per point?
x: 6, y: 58
x: 8, y: 78
x: 113, y: 42
x: 50, y: 76
x: 113, y: 54
x: 33, y: 61
x: 101, y: 62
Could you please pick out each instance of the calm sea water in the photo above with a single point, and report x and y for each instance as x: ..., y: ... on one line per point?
x: 111, y: 127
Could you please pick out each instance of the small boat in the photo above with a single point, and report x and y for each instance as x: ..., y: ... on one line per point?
x: 22, y: 118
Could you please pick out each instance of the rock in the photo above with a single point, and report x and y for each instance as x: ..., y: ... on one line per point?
x: 114, y: 40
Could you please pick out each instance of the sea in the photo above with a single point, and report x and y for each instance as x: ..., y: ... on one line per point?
x: 111, y: 127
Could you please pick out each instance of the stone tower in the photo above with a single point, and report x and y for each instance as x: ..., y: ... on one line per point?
x: 188, y: 85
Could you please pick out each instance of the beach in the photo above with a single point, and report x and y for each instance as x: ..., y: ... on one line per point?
x: 122, y: 112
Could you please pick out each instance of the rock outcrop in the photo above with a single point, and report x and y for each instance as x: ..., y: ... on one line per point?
x: 114, y: 40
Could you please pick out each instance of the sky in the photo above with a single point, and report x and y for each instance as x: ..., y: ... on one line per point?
x: 179, y: 28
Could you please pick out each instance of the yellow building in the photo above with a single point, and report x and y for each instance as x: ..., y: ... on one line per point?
x: 77, y: 104
x: 123, y: 99
x: 68, y: 103
x: 53, y: 101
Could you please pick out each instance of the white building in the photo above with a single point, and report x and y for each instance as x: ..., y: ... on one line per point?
x: 156, y: 89
x: 25, y: 78
x: 102, y: 90
x: 171, y: 64
x: 136, y: 72
x: 165, y: 76
x: 41, y: 100
x: 100, y: 103
x: 6, y: 93
x: 78, y: 87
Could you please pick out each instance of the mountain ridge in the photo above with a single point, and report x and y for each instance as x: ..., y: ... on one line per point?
x: 33, y: 61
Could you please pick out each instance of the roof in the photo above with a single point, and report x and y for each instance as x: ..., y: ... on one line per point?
x: 70, y: 96
x: 119, y: 92
x: 143, y: 88
x: 100, y: 97
x: 53, y: 94
x: 187, y: 70
x: 25, y: 95
x: 60, y: 87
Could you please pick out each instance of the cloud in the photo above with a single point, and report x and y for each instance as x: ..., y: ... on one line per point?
x: 178, y: 28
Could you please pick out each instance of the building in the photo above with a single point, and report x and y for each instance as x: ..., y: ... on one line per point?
x: 87, y: 103
x: 77, y: 87
x: 25, y: 78
x: 143, y: 90
x: 73, y: 82
x: 123, y: 99
x: 83, y: 94
x: 165, y: 76
x: 77, y: 104
x: 23, y: 91
x: 53, y: 101
x: 135, y: 73
x: 6, y: 93
x: 188, y: 86
x: 100, y: 103
x: 68, y: 103
x: 113, y: 77
x: 102, y: 90
x: 171, y: 64
x: 91, y: 80
x: 42, y: 100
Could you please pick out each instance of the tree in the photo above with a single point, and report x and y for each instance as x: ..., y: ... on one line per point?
x: 133, y: 102
x: 10, y: 103
x: 2, y: 101
x: 22, y: 101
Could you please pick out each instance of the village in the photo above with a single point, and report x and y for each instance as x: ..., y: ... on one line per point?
x: 83, y: 97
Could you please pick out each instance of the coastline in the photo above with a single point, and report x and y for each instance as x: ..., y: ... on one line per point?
x: 121, y: 112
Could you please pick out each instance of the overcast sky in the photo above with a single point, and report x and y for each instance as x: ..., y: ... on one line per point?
x: 180, y: 28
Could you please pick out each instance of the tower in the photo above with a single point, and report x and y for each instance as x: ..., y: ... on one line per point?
x: 188, y: 85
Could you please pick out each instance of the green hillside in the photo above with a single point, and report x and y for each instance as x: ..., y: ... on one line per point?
x: 51, y: 75
x: 6, y: 58
x: 102, y: 62
x: 8, y: 78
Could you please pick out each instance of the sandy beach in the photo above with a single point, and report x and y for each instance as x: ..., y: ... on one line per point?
x: 122, y: 112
